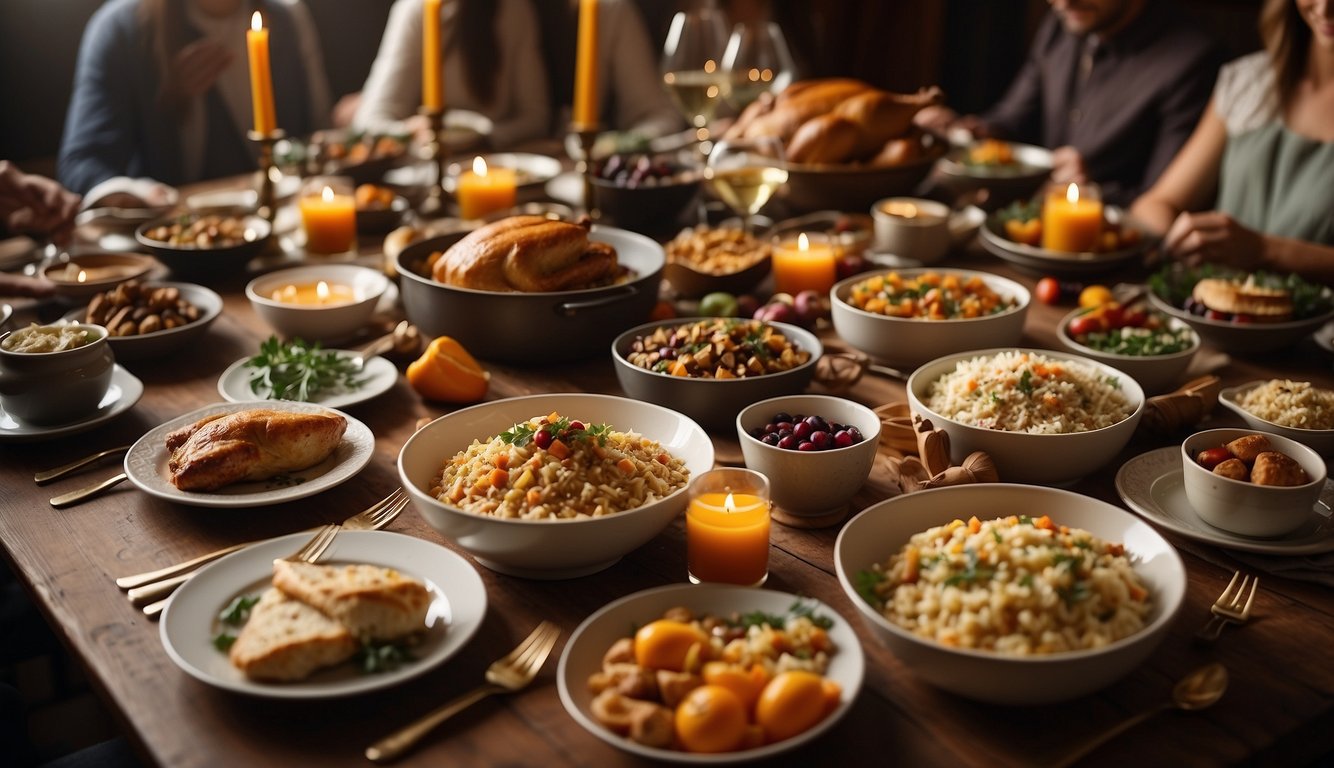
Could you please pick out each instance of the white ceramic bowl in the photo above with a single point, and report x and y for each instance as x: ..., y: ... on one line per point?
x: 1021, y: 457
x: 1155, y: 373
x: 881, y: 530
x: 591, y: 639
x: 548, y: 549
x: 714, y: 403
x: 1322, y: 440
x: 913, y: 341
x: 924, y: 237
x: 316, y: 323
x: 1245, y: 508
x: 145, y: 346
x: 810, y: 483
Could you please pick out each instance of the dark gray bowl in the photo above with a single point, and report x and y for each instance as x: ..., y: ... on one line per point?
x: 533, y: 328
x: 190, y: 262
x: 714, y: 403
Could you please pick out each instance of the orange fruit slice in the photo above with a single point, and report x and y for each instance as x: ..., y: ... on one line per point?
x: 446, y: 372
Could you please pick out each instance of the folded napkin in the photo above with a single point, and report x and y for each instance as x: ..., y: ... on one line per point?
x: 1318, y: 569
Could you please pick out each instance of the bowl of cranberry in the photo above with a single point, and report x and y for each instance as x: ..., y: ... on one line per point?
x: 816, y: 450
x: 645, y: 193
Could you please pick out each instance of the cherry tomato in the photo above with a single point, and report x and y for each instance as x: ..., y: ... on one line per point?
x: 1084, y: 324
x: 1212, y: 457
x: 1049, y: 290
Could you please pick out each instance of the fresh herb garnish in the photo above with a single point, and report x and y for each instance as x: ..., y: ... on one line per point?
x: 235, y: 614
x: 562, y: 428
x: 300, y: 370
x: 224, y: 641
x: 971, y: 573
x: 798, y: 609
x: 382, y: 657
x: 1026, y: 382
x: 1073, y: 594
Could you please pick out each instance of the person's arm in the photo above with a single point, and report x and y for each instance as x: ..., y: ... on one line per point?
x: 97, y: 144
x: 527, y: 116
x: 1190, y: 181
x: 312, y: 61
x: 1217, y: 238
x: 393, y: 88
x: 642, y: 104
x: 35, y: 205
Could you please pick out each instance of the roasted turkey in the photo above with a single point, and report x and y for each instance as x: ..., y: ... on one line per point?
x: 250, y: 445
x: 527, y: 253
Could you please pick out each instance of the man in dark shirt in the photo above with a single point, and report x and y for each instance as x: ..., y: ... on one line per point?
x: 1113, y: 86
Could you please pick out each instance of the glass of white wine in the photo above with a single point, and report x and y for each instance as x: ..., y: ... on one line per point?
x: 756, y: 61
x: 746, y: 173
x: 692, y: 65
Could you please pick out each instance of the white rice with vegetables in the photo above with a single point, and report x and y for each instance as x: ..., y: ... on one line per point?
x: 551, y: 467
x: 1294, y: 404
x: 1014, y: 585
x: 1027, y: 392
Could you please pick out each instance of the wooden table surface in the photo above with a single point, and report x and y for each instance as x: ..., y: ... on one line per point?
x: 1278, y: 710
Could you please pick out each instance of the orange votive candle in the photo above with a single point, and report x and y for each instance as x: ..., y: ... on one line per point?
x: 727, y: 528
x: 261, y: 78
x: 485, y: 190
x: 433, y: 90
x: 317, y: 294
x: 806, y: 263
x: 330, y: 221
x: 585, y: 113
x: 1072, y: 218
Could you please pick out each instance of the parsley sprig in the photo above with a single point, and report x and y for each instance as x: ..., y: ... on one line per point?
x: 798, y: 609
x: 300, y: 370
x: 234, y: 615
x: 564, y: 428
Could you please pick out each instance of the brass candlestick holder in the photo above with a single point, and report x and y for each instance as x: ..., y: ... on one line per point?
x: 434, y: 204
x: 587, y: 134
x: 265, y: 203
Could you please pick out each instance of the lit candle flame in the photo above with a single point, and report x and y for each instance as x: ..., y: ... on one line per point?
x: 905, y: 210
x: 327, y: 195
x: 803, y: 242
x: 729, y: 504
x: 1072, y: 193
x: 322, y: 291
x: 479, y: 166
x: 256, y: 22
x: 83, y: 276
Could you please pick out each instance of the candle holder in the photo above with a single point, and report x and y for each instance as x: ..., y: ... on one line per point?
x: 588, y: 134
x: 727, y: 527
x: 265, y: 204
x: 434, y: 204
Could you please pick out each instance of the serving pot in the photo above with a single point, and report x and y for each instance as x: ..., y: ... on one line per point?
x: 533, y: 328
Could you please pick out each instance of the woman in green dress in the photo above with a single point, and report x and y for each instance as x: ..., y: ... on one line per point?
x: 1262, y: 155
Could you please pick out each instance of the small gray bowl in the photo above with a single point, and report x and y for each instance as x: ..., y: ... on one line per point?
x: 714, y: 403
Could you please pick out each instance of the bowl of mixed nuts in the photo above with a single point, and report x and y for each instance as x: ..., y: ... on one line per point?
x: 711, y: 368
x: 198, y: 245
x: 705, y: 259
x: 146, y: 320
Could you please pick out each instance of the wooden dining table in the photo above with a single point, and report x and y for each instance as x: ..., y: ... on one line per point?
x: 1278, y: 709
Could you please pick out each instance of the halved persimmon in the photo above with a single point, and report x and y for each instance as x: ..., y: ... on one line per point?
x: 711, y: 719
x: 793, y: 702
x: 446, y: 372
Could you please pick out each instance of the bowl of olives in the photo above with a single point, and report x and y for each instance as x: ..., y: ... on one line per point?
x: 645, y: 193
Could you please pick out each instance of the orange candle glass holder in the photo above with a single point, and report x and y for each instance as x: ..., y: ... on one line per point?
x: 1071, y: 217
x: 482, y: 190
x: 727, y: 527
x: 806, y: 262
x: 328, y: 215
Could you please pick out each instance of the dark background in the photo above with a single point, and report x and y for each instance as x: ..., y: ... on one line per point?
x: 969, y: 47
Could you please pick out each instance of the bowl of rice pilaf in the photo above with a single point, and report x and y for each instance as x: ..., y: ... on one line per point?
x: 1011, y: 594
x: 1297, y: 410
x: 1044, y: 417
x: 553, y: 486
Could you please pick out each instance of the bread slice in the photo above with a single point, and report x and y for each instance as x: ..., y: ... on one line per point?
x: 287, y: 640
x: 1244, y: 298
x: 372, y: 602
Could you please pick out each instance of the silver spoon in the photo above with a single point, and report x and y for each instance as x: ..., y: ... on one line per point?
x: 1198, y: 690
x: 405, y: 338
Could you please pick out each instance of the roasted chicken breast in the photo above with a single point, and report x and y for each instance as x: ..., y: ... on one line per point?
x: 250, y: 445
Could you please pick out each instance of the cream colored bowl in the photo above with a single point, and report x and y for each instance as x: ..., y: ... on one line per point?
x: 1155, y: 373
x: 318, y: 323
x: 548, y: 549
x: 881, y: 530
x: 1242, y: 507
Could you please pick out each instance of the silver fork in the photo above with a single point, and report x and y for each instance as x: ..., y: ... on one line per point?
x: 372, y: 519
x: 1231, y: 607
x: 505, y: 675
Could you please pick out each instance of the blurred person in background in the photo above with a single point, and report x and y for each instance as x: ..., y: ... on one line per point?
x: 37, y: 206
x: 1253, y: 188
x: 162, y: 92
x: 492, y: 62
x: 1113, y: 87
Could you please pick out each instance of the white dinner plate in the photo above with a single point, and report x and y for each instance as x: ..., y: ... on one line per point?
x: 377, y: 377
x: 1151, y: 484
x: 589, y: 643
x: 124, y: 392
x: 146, y: 463
x: 189, y: 622
x: 568, y: 188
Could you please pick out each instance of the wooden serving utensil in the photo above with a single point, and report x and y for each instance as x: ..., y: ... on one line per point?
x: 931, y: 467
x: 1187, y: 406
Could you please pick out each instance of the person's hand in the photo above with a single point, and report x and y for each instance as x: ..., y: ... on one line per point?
x: 346, y: 109
x: 1213, y: 236
x: 20, y: 285
x: 1067, y: 166
x: 195, y: 69
x: 36, y: 205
